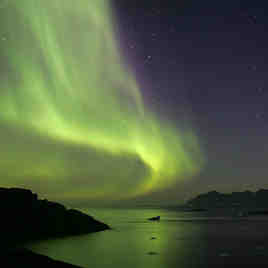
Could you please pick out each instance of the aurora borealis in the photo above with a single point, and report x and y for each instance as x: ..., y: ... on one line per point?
x: 73, y: 120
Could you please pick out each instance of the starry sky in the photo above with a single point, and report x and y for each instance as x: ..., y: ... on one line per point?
x: 204, y: 62
x: 143, y: 102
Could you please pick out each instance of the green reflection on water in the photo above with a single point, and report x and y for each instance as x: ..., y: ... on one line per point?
x: 129, y: 244
x: 182, y: 240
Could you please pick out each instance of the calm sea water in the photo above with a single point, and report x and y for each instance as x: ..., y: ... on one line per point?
x: 179, y: 239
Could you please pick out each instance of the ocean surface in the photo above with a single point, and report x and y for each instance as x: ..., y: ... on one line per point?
x: 179, y: 239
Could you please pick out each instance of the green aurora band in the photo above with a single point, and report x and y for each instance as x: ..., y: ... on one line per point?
x: 72, y: 116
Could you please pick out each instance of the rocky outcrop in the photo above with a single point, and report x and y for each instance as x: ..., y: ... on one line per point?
x: 26, y: 258
x: 157, y: 218
x: 23, y: 217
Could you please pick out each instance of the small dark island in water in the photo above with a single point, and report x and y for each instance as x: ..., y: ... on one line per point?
x: 26, y: 218
x: 157, y: 218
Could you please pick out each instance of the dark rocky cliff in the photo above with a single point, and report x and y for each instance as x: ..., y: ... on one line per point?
x: 23, y: 217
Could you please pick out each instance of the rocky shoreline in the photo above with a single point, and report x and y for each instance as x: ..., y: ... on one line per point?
x: 24, y: 218
x: 21, y: 257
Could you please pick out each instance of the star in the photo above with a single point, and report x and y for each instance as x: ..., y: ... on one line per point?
x: 156, y: 11
x: 252, y: 19
x: 172, y: 29
x: 148, y: 59
x: 260, y: 89
x: 154, y: 36
x: 259, y: 115
x: 252, y: 67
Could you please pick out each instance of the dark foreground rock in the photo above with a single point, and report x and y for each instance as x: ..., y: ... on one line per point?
x: 29, y: 259
x: 258, y: 212
x: 25, y: 218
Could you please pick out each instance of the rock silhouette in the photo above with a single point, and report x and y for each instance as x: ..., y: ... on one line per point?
x: 247, y: 199
x: 24, y: 218
x: 26, y: 258
x: 157, y: 218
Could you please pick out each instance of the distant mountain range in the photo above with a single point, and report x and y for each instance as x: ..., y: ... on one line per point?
x: 214, y: 199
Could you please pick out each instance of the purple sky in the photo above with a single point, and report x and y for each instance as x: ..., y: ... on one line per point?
x: 204, y: 63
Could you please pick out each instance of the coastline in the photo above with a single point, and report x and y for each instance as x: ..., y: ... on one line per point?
x: 25, y: 218
x: 21, y: 257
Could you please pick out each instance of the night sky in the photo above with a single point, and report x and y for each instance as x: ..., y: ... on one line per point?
x: 205, y: 62
x: 146, y: 102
